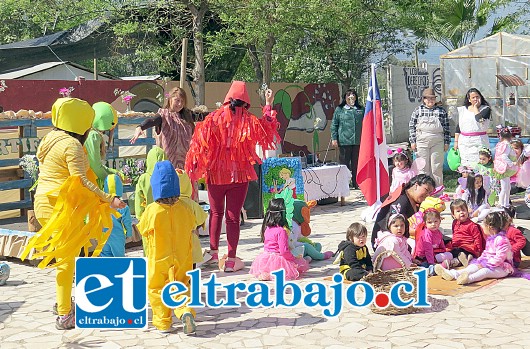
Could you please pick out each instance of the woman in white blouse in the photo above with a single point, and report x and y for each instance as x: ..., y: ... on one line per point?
x: 472, y: 127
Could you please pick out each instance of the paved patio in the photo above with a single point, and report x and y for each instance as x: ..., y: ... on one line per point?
x: 496, y: 316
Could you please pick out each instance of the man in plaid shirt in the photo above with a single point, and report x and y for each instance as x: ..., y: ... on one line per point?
x: 429, y: 135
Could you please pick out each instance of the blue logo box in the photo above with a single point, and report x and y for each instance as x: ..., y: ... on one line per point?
x: 111, y: 293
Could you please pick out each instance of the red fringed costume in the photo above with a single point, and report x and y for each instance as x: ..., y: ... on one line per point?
x: 223, y: 150
x: 223, y: 146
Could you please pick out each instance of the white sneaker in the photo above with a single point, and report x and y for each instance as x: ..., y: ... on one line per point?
x: 206, y: 257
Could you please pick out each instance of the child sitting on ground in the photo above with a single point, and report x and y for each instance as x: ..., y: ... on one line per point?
x: 121, y: 227
x: 462, y: 182
x: 167, y: 225
x: 467, y: 242
x: 516, y: 237
x: 495, y: 262
x: 300, y: 231
x: 430, y: 246
x: 393, y: 240
x: 476, y: 196
x: 353, y: 255
x: 276, y: 254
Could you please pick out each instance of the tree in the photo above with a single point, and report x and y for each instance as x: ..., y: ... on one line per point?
x: 27, y: 19
x: 455, y: 23
x: 313, y: 41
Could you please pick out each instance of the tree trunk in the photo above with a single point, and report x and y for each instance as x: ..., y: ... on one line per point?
x: 198, y: 45
x: 267, y: 59
x: 256, y: 64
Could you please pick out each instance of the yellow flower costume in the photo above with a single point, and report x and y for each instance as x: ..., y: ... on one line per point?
x: 168, y: 231
x: 66, y: 196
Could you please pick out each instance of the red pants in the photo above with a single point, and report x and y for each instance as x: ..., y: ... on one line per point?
x: 235, y: 195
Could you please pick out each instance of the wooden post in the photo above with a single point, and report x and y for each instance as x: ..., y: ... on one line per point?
x: 183, y: 62
x: 95, y: 68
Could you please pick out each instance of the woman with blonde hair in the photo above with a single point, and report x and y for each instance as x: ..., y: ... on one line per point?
x: 173, y: 127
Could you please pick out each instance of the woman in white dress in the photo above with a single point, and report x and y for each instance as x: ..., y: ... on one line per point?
x: 472, y: 127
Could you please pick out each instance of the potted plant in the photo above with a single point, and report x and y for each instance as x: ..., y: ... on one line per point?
x: 30, y: 166
x: 132, y: 170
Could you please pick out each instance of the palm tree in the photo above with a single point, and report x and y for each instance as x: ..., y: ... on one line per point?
x: 455, y: 23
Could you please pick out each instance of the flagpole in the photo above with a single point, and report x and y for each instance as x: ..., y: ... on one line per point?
x: 376, y: 145
x: 369, y: 214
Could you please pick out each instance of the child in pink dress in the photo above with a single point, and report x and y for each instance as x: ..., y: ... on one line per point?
x: 495, y: 262
x: 430, y: 246
x: 276, y: 254
x: 393, y: 240
x: 504, y: 165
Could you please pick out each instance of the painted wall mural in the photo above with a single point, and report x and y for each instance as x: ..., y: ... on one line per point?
x: 308, y: 109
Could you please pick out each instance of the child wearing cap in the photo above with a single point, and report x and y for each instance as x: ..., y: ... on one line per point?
x: 167, y: 225
x: 122, y: 226
x: 65, y: 196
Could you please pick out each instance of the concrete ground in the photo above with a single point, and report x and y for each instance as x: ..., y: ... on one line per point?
x: 495, y: 316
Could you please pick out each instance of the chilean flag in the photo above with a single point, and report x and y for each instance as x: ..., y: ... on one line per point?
x: 372, y: 168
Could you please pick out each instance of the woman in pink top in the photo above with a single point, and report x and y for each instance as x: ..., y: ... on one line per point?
x: 495, y: 262
x: 276, y: 254
x: 394, y: 240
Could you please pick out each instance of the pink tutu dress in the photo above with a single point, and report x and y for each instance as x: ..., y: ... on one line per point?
x: 276, y: 255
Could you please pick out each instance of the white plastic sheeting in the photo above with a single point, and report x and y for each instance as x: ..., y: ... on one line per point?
x: 477, y: 64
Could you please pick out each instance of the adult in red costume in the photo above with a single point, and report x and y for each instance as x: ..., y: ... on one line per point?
x: 223, y: 150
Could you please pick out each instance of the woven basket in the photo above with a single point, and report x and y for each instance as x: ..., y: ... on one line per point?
x: 382, y: 281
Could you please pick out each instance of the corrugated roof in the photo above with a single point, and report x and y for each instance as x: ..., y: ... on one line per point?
x: 17, y: 74
x: 511, y: 80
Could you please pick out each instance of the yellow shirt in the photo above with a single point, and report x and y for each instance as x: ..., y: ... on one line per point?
x: 60, y: 156
x: 168, y: 230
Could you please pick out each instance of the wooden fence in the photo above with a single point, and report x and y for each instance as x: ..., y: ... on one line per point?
x: 11, y: 175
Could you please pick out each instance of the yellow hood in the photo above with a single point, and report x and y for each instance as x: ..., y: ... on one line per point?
x: 72, y: 115
x: 185, y: 184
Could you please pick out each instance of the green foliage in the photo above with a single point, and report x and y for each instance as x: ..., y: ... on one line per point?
x: 282, y: 97
x: 27, y: 19
x: 455, y: 23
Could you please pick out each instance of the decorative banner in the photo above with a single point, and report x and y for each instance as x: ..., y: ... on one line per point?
x: 281, y: 173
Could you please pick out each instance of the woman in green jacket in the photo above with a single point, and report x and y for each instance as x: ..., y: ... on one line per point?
x: 346, y: 128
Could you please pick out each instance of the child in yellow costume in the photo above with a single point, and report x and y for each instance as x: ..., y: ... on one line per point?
x: 186, y: 189
x: 143, y: 194
x: 167, y: 225
x: 64, y: 198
